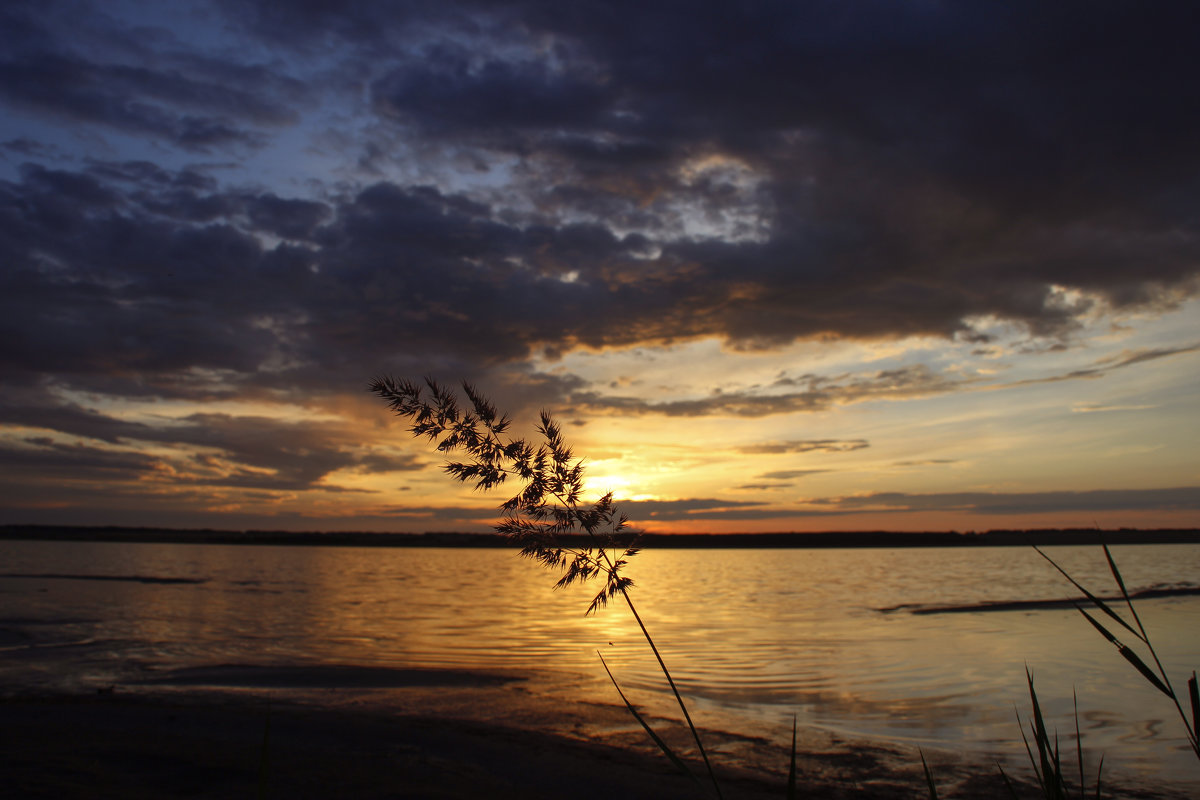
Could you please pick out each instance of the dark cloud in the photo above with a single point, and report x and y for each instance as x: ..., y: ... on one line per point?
x: 1108, y: 364
x: 690, y: 509
x: 389, y: 462
x: 552, y: 176
x: 806, y: 446
x: 916, y: 251
x: 132, y: 100
x: 69, y: 418
x: 261, y: 452
x: 426, y: 514
x: 28, y: 148
x: 932, y: 165
x: 173, y: 280
x: 1185, y: 498
x: 819, y: 393
x: 42, y: 458
x: 83, y: 68
x: 918, y: 168
x: 1127, y: 358
x: 99, y: 286
x: 789, y: 474
x: 288, y: 219
x: 444, y: 91
x: 975, y: 503
x: 209, y: 449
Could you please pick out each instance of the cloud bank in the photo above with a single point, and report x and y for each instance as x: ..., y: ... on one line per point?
x: 272, y: 202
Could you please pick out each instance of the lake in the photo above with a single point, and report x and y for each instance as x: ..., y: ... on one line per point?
x: 850, y: 641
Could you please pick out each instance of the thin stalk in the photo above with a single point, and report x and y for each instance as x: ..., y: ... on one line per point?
x: 667, y: 751
x: 791, y: 783
x: 678, y: 697
x: 933, y: 792
x: 1078, y: 745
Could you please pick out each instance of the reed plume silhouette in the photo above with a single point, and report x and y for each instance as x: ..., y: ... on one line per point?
x: 547, y: 517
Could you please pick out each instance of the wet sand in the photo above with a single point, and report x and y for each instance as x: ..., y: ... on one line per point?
x: 232, y: 732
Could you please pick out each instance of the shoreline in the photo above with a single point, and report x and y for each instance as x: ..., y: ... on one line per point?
x: 781, y: 540
x: 460, y: 738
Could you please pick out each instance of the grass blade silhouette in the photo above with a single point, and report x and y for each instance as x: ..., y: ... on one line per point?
x: 933, y: 792
x: 667, y: 751
x: 791, y: 782
x: 1100, y: 604
x: 1194, y: 695
x: 1047, y: 764
x: 1157, y: 676
x: 1128, y: 654
x: 1050, y: 776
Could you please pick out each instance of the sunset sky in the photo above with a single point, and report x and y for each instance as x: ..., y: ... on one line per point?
x: 777, y: 266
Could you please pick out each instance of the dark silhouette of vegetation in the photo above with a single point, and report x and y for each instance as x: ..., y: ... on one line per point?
x: 547, y: 508
x: 1047, y: 764
x: 1048, y: 769
x: 1156, y: 676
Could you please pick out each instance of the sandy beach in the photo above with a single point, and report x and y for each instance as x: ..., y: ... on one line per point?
x: 424, y: 734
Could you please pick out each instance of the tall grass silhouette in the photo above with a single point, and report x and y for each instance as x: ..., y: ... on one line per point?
x: 1048, y: 768
x: 1047, y: 763
x: 547, y: 517
x: 1157, y: 675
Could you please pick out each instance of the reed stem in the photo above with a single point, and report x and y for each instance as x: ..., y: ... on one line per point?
x: 678, y: 697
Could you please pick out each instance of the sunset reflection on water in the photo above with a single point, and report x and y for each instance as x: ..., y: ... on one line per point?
x: 752, y: 636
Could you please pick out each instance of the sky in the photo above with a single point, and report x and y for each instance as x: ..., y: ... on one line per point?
x: 775, y: 266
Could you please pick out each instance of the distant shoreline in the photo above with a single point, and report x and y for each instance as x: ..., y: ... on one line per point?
x: 828, y: 539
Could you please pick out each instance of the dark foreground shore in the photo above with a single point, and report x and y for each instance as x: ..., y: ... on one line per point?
x: 450, y: 742
x: 122, y: 747
x: 131, y: 745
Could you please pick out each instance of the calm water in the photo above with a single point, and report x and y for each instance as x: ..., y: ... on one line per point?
x: 753, y: 636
